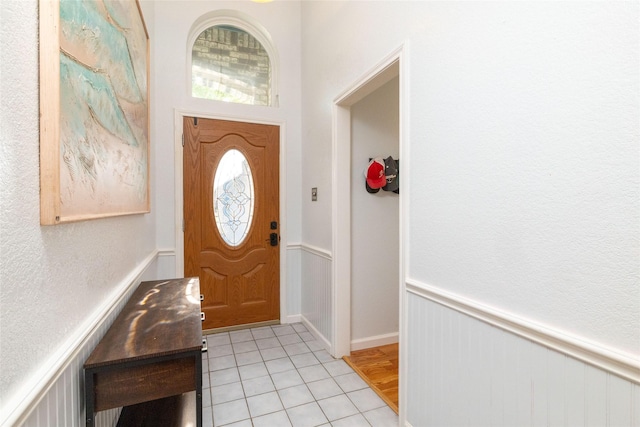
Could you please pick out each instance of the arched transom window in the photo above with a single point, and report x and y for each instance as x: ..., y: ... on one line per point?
x: 229, y: 64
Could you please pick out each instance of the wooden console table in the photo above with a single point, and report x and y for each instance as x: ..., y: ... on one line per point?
x: 150, y: 362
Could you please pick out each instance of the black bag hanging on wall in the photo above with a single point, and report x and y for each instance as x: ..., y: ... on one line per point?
x: 392, y: 175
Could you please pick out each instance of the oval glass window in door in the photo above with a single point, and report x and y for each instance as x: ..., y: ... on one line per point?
x: 233, y: 197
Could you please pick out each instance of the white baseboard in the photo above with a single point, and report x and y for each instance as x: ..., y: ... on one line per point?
x: 294, y: 318
x: 375, y: 341
x: 316, y: 333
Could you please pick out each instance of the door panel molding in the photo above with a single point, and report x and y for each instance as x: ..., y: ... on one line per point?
x: 252, y: 267
x: 179, y: 115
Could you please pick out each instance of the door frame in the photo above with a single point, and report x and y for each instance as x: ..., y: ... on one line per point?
x: 179, y: 115
x: 393, y: 65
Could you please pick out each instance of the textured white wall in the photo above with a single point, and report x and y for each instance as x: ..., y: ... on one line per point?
x: 51, y: 278
x: 375, y: 222
x: 524, y: 150
x: 526, y: 179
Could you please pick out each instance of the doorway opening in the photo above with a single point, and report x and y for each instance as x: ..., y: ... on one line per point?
x: 390, y: 68
x: 375, y: 241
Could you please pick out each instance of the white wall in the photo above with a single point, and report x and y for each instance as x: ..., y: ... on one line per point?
x: 522, y: 151
x: 55, y: 280
x: 524, y: 131
x: 375, y: 222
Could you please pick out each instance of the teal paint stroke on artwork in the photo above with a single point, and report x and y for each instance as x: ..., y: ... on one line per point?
x: 81, y: 89
x: 121, y: 13
x: 103, y: 108
x: 126, y: 15
x: 90, y: 31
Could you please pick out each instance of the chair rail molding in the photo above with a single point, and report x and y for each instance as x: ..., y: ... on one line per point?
x: 608, y: 359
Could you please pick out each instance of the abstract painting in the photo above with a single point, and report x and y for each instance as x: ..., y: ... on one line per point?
x: 94, y: 131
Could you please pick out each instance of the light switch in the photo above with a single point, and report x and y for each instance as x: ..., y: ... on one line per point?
x: 314, y: 194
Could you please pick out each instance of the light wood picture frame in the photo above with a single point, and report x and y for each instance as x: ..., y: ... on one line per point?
x: 94, y: 110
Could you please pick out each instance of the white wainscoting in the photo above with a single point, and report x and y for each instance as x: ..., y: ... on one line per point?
x: 315, y: 291
x: 294, y: 269
x: 57, y: 399
x: 469, y: 371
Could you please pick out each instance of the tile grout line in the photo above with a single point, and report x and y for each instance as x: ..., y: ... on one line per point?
x: 295, y: 369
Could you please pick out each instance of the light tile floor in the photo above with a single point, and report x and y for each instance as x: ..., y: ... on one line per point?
x: 279, y: 376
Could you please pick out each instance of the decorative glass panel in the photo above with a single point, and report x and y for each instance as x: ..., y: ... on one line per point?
x: 229, y: 64
x: 233, y: 197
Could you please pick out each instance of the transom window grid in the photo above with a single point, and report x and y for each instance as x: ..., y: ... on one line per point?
x: 229, y: 64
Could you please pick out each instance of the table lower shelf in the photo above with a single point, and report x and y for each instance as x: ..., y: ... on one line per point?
x: 174, y: 411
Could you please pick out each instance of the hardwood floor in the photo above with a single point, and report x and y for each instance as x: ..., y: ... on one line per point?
x: 378, y: 366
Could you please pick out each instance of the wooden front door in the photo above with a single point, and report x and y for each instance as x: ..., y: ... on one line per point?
x: 231, y: 219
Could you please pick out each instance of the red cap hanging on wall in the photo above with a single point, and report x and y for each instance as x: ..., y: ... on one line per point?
x: 375, y: 173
